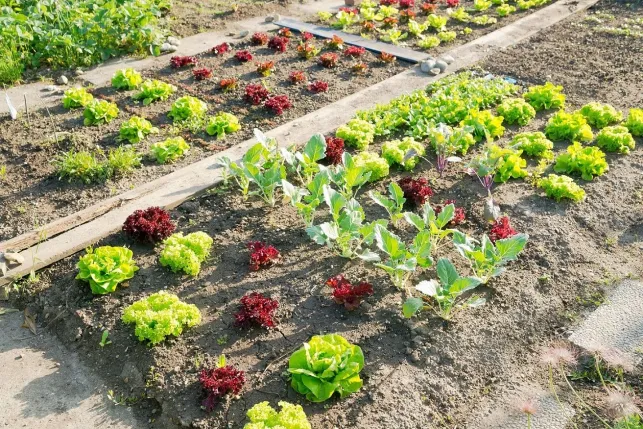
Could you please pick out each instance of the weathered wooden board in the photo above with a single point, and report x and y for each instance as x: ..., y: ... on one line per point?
x: 354, y: 39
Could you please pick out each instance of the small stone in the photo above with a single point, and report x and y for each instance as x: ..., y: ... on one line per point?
x: 434, y: 71
x: 174, y: 41
x: 78, y: 72
x: 230, y: 33
x: 442, y: 65
x: 51, y: 88
x: 244, y: 33
x: 427, y: 65
x: 448, y: 59
x: 191, y: 206
x: 15, y: 258
x: 62, y: 80
x: 166, y: 47
x: 273, y: 18
x: 415, y: 357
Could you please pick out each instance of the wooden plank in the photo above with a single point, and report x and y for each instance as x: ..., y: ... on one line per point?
x: 354, y: 39
x: 171, y: 190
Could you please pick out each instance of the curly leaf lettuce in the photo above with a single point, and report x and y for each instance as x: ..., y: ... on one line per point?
x: 76, y: 97
x: 568, y: 126
x: 325, y: 365
x: 126, y: 79
x: 169, y: 150
x: 105, y: 267
x: 263, y: 416
x: 136, y: 129
x: 615, y: 139
x: 587, y: 161
x: 559, y: 187
x: 547, y: 96
x: 185, y: 253
x: 373, y: 163
x: 516, y: 110
x: 634, y: 122
x: 357, y: 133
x: 601, y: 115
x: 221, y: 124
x: 405, y: 152
x: 533, y: 144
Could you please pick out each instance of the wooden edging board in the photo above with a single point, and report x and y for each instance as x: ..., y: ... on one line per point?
x: 175, y: 188
x: 354, y: 39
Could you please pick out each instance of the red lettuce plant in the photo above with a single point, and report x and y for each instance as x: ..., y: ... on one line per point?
x: 335, y: 42
x: 389, y: 22
x: 261, y: 255
x: 243, y: 56
x: 255, y: 94
x: 150, y: 225
x: 278, y: 43
x: 453, y: 3
x: 359, y: 68
x: 428, y: 8
x: 218, y: 382
x: 386, y: 58
x: 220, y: 49
x: 259, y: 39
x: 354, y: 51
x: 306, y: 36
x: 177, y: 61
x: 265, y: 68
x: 285, y: 32
x: 416, y: 190
x: 458, y: 216
x: 256, y: 310
x: 345, y: 293
x: 368, y: 26
x: 388, y: 2
x: 328, y: 60
x: 307, y: 50
x: 297, y: 77
x: 228, y: 84
x: 407, y: 4
x: 501, y: 229
x: 352, y: 10
x: 202, y: 74
x: 406, y: 14
x: 318, y: 86
x: 334, y: 150
x: 278, y: 104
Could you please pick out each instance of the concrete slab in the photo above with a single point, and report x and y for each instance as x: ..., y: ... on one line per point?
x: 617, y: 324
x: 44, y: 386
x: 549, y: 414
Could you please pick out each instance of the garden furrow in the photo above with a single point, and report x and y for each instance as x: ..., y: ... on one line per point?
x: 175, y: 188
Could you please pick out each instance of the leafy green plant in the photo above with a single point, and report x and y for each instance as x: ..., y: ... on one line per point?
x: 447, y: 36
x: 160, y: 315
x: 601, y: 115
x: 386, y: 12
x: 448, y: 140
x: 221, y: 124
x: 188, y: 111
x: 135, y: 129
x: 533, y: 144
x: 437, y: 22
x: 488, y: 259
x: 105, y: 267
x: 480, y: 5
x: 154, y: 90
x: 484, y: 123
x: 345, y: 19
x: 402, y: 260
x: 615, y: 139
x: 122, y: 161
x: 405, y: 152
x: 587, y: 161
x: 169, y: 150
x: 429, y: 42
x: 445, y: 292
x: 568, y: 126
x: 434, y: 224
x: 547, y: 96
x: 634, y: 122
x: 509, y: 164
x: 100, y: 112
x: 516, y: 110
x: 393, y: 35
x: 348, y: 177
x: 263, y: 416
x: 559, y: 187
x: 325, y: 365
x: 357, y: 133
x: 104, y: 339
x: 76, y: 97
x: 126, y: 79
x: 185, y: 253
x: 372, y: 163
x: 305, y: 163
x: 308, y: 199
x: 346, y: 233
x: 416, y: 28
x: 483, y: 20
x: 393, y: 203
x: 80, y: 166
x: 505, y: 10
x: 460, y: 14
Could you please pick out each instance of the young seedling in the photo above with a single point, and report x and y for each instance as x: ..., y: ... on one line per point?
x: 434, y: 224
x: 104, y: 341
x: 393, y: 204
x: 347, y: 176
x: 306, y: 200
x: 304, y: 163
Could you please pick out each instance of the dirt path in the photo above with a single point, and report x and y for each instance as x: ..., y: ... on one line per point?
x: 44, y: 386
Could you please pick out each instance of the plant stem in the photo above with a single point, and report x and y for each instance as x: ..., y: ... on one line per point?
x: 528, y: 421
x: 598, y: 370
x: 581, y: 400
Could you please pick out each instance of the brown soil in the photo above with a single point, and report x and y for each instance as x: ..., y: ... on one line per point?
x: 32, y: 194
x: 419, y: 374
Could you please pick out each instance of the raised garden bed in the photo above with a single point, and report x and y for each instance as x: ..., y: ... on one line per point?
x: 32, y: 190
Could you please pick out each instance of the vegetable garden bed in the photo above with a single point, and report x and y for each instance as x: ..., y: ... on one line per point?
x: 31, y: 182
x: 417, y: 373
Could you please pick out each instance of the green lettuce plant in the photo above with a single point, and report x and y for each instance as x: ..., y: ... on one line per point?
x: 345, y: 19
x: 159, y: 316
x: 615, y: 139
x: 263, y: 416
x: 533, y: 144
x: 634, y: 122
x: 405, y: 152
x: 485, y: 125
x: 154, y: 90
x: 437, y: 22
x: 559, y: 187
x: 444, y: 293
x: 416, y: 28
x: 357, y: 133
x: 509, y: 164
x: 460, y: 14
x: 372, y: 163
x: 505, y: 10
x: 393, y: 203
x: 568, y: 126
x: 393, y: 35
x: 386, y: 12
x: 325, y: 365
x: 188, y: 111
x: 169, y: 150
x: 587, y: 161
x: 547, y: 96
x: 126, y: 79
x: 100, y: 112
x: 600, y: 115
x: 481, y: 5
x: 428, y: 42
x: 135, y: 129
x: 121, y: 161
x: 76, y: 97
x: 516, y: 110
x: 80, y: 166
x: 221, y: 124
x: 450, y: 140
x: 488, y: 259
x: 185, y: 253
x: 106, y: 267
x: 483, y: 20
x: 447, y: 36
